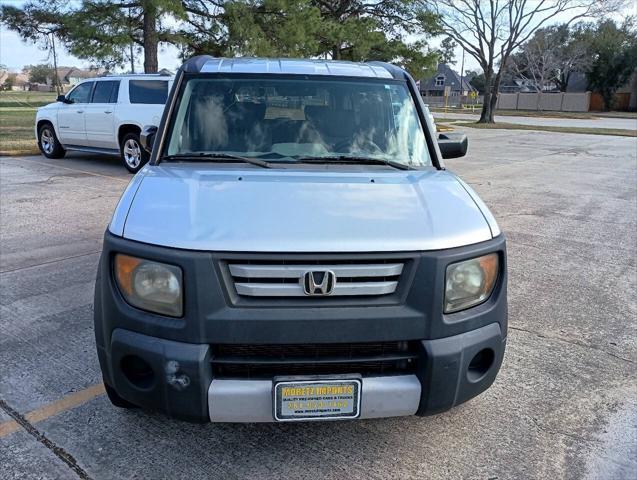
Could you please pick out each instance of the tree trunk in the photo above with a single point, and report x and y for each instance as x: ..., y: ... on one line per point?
x: 132, y: 43
x: 151, y: 40
x: 608, y: 96
x: 486, y: 116
x: 491, y: 89
x: 132, y: 58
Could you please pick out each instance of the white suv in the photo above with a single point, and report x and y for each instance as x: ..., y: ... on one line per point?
x: 104, y: 115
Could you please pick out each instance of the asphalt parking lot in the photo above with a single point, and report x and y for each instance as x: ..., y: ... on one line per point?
x: 563, y: 406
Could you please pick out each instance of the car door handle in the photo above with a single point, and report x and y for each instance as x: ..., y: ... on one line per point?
x: 80, y: 111
x: 108, y: 111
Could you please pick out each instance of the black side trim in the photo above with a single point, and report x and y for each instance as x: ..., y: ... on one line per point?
x: 82, y: 148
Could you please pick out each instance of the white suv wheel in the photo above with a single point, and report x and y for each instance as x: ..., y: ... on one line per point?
x: 47, y: 141
x: 132, y: 153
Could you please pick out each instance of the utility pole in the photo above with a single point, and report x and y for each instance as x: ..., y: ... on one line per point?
x: 56, y: 78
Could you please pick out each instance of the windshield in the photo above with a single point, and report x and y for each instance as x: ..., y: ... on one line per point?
x: 288, y: 120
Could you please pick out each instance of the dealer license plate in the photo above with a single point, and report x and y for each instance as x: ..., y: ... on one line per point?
x: 317, y: 399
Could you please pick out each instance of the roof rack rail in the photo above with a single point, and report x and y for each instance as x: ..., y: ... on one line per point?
x: 162, y: 73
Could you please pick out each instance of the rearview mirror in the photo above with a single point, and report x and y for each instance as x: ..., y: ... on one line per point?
x: 453, y: 145
x: 63, y: 99
x: 147, y: 137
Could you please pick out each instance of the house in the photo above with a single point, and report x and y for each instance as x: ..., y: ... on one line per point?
x: 70, y: 76
x: 577, y: 83
x: 67, y: 76
x: 443, y: 78
x: 20, y: 81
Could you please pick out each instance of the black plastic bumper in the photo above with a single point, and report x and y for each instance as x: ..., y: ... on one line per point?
x: 459, y: 354
x: 181, y: 372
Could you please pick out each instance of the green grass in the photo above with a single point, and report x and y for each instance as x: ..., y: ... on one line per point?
x: 582, y: 130
x: 17, y: 121
x: 26, y: 99
x: 539, y: 113
x: 523, y: 113
x: 445, y: 120
x: 17, y: 135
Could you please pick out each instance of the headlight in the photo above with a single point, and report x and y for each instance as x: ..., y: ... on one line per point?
x: 148, y: 285
x: 470, y: 282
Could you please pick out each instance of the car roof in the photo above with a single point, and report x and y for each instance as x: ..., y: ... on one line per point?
x: 134, y: 76
x: 208, y: 64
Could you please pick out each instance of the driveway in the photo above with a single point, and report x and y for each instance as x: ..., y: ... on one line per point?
x: 563, y: 406
x: 600, y: 122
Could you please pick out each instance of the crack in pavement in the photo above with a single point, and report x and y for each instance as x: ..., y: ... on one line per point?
x: 573, y: 342
x: 58, y: 451
x: 17, y: 269
x: 574, y: 436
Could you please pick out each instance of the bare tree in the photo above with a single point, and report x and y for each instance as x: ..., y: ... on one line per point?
x: 537, y: 61
x: 573, y: 56
x: 491, y: 30
x: 550, y: 57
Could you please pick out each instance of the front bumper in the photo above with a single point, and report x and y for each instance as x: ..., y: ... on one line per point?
x: 249, y: 401
x: 181, y: 383
x: 457, y: 356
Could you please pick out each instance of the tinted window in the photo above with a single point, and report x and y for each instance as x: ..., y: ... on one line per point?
x: 148, y: 91
x: 115, y: 93
x: 286, y: 120
x: 106, y: 92
x: 81, y: 93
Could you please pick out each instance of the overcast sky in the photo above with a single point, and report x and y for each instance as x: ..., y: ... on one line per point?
x: 14, y: 53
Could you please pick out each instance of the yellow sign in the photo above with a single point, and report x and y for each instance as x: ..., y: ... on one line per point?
x: 473, y: 94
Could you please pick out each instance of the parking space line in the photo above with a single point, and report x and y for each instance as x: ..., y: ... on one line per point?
x: 8, y: 427
x: 48, y: 262
x: 63, y: 404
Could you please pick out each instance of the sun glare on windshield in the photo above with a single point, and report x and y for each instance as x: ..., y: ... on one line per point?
x: 283, y: 120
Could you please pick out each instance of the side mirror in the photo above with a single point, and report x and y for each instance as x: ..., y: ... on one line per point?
x: 147, y: 137
x: 453, y: 145
x: 63, y: 99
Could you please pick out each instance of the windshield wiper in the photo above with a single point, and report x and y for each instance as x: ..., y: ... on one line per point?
x: 221, y: 157
x: 347, y: 159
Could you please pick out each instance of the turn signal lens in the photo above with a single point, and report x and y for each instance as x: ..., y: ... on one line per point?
x: 152, y: 286
x: 124, y: 267
x: 470, y: 282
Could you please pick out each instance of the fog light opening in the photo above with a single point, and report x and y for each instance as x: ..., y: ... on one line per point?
x: 480, y: 364
x: 137, y: 371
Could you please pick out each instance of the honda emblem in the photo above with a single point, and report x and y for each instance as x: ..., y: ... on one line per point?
x: 319, y: 283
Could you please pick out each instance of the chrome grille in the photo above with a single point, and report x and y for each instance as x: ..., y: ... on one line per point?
x: 286, y: 280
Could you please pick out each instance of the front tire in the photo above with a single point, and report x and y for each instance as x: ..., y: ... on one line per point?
x: 48, y: 142
x: 133, y: 155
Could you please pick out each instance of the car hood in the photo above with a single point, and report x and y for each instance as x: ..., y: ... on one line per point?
x: 202, y: 207
x: 49, y: 106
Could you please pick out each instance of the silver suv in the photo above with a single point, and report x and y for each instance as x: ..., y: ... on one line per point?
x: 295, y: 250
